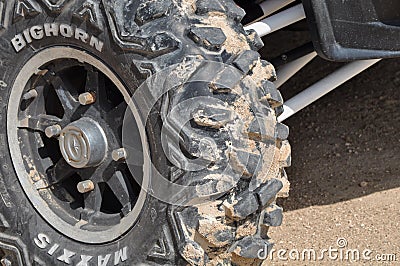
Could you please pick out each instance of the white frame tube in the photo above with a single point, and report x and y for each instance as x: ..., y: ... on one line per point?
x: 278, y: 21
x: 271, y: 6
x: 285, y: 72
x: 324, y: 86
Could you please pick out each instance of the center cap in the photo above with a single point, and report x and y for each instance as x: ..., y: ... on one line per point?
x: 83, y: 143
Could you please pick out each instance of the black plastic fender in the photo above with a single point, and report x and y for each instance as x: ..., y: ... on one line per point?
x: 353, y: 30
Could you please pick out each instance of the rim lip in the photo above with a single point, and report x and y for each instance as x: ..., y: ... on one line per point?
x: 31, y: 67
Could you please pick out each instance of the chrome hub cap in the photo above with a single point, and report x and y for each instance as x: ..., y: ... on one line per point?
x: 83, y: 143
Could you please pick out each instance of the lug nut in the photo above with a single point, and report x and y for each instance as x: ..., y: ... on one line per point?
x: 5, y: 262
x: 119, y: 154
x: 53, y: 131
x: 86, y: 98
x: 85, y: 186
x: 30, y: 95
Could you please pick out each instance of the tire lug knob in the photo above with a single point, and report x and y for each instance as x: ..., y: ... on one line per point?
x: 119, y: 154
x: 87, y: 98
x: 53, y: 131
x: 30, y: 95
x: 85, y: 186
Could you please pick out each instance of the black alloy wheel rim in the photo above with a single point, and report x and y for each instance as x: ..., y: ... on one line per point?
x: 70, y: 136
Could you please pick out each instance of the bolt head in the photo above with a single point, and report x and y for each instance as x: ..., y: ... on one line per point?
x: 86, y: 98
x: 85, y: 186
x: 119, y: 154
x: 30, y: 95
x: 53, y: 131
x: 5, y: 262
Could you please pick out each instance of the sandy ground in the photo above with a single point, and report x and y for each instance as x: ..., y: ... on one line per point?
x: 345, y: 174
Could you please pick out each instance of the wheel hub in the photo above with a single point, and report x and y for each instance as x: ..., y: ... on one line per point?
x: 83, y: 143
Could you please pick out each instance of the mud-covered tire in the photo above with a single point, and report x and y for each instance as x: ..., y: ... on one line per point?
x: 137, y: 39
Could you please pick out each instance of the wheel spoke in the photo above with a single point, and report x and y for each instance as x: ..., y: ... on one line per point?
x: 62, y: 193
x: 68, y: 102
x: 119, y: 110
x: 40, y: 101
x: 92, y: 80
x: 116, y: 115
x: 95, y: 174
x: 118, y: 186
x: 38, y: 123
x: 96, y: 83
x: 60, y: 171
x: 115, y: 181
x: 92, y: 200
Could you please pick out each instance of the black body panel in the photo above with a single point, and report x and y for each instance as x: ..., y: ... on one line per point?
x: 345, y: 30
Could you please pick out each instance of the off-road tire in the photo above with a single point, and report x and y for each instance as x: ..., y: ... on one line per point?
x: 136, y: 39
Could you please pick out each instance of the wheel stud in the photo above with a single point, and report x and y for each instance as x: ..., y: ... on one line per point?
x: 53, y: 131
x: 5, y: 262
x: 30, y: 95
x: 85, y: 186
x: 119, y: 154
x: 86, y: 98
